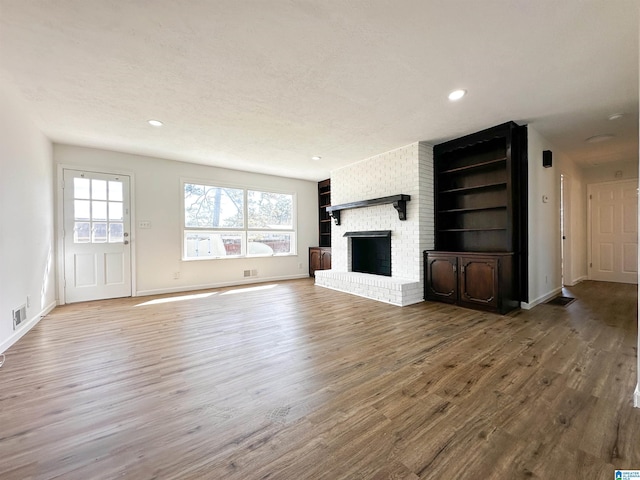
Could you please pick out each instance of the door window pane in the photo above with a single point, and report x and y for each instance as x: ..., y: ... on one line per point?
x: 115, y: 211
x: 82, y: 232
x: 81, y: 188
x: 99, y: 210
x: 115, y: 191
x: 81, y: 209
x: 98, y: 189
x: 99, y: 233
x: 116, y: 232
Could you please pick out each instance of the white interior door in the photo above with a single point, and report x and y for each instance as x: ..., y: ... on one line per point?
x: 97, y: 248
x: 614, y: 231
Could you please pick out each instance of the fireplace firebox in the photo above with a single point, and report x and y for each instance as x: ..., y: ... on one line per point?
x: 371, y: 252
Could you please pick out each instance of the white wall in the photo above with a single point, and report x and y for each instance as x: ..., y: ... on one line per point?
x: 545, y: 269
x: 157, y: 199
x: 26, y: 221
x: 607, y: 172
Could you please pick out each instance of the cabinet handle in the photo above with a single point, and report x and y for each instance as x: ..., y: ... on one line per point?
x: 455, y: 268
x: 462, y: 269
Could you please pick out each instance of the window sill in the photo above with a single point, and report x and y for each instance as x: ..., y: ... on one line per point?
x: 236, y: 257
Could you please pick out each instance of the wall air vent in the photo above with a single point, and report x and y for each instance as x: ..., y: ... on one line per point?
x: 19, y: 315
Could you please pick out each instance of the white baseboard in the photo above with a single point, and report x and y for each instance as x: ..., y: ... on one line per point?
x: 636, y: 396
x: 23, y: 329
x: 577, y: 281
x: 189, y: 288
x: 541, y: 299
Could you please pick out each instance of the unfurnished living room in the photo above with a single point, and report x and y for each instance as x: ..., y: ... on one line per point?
x: 304, y: 239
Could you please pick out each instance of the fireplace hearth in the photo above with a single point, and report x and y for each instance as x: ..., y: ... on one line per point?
x: 371, y: 252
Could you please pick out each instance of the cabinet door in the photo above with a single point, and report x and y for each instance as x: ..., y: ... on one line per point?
x: 314, y: 261
x: 441, y: 281
x: 325, y: 260
x: 479, y: 281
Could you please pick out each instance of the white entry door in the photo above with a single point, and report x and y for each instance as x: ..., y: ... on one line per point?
x: 614, y: 231
x: 97, y: 248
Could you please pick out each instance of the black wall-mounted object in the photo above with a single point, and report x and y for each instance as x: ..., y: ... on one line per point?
x: 547, y: 157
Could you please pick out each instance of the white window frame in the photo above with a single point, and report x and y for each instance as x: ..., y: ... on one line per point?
x: 244, y: 231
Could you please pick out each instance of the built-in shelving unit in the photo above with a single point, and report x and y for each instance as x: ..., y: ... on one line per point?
x: 324, y: 202
x: 480, y: 209
x: 320, y: 256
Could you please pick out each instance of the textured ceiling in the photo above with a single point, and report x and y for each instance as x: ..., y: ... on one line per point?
x: 263, y: 85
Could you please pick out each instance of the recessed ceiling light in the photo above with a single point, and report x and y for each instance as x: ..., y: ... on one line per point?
x: 616, y: 116
x: 457, y: 95
x: 600, y: 138
x: 155, y: 123
x: 316, y: 157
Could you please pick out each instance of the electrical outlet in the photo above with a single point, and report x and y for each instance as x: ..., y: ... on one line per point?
x: 176, y: 275
x: 299, y: 266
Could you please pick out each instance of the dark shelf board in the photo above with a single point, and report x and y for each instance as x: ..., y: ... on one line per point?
x: 486, y: 186
x: 473, y: 209
x: 475, y: 166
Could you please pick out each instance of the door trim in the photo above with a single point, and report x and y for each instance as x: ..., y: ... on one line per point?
x: 59, y: 222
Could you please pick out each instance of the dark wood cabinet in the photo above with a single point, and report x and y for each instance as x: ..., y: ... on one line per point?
x: 473, y: 280
x: 441, y: 279
x: 319, y: 259
x: 480, y: 196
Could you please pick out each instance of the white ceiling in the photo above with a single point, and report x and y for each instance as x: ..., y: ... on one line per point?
x: 263, y: 85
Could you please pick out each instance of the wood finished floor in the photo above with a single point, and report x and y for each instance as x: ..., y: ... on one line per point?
x: 293, y: 381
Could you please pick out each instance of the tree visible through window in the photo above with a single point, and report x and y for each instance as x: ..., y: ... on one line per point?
x: 270, y: 210
x: 213, y: 207
x: 214, y: 222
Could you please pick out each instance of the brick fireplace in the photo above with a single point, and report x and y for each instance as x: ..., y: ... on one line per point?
x: 408, y: 171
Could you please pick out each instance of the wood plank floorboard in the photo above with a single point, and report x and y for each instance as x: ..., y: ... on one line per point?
x: 293, y: 381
